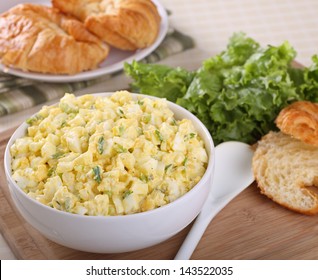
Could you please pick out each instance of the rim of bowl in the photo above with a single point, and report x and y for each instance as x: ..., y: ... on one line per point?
x: 209, y: 169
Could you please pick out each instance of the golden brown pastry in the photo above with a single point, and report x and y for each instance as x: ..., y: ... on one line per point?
x: 300, y: 120
x: 124, y: 24
x: 42, y: 39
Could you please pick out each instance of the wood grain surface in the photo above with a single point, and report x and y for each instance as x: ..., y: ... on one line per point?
x: 250, y: 227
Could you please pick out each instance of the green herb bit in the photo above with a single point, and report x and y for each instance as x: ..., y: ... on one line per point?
x: 121, y: 112
x: 63, y: 124
x: 174, y: 122
x: 100, y: 145
x: 57, y: 155
x: 121, y: 130
x: 30, y: 121
x: 127, y: 193
x: 140, y: 131
x: 144, y: 178
x: 66, y: 108
x: 120, y: 149
x: 158, y: 134
x: 167, y: 167
x: 185, y: 161
x: 96, y: 171
x: 146, y: 118
x: 140, y: 102
x: 34, y: 119
x: 51, y: 171
x: 190, y: 136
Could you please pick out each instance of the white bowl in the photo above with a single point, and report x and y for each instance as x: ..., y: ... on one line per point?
x: 115, y: 234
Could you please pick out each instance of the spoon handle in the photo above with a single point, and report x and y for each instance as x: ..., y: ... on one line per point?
x: 196, y: 232
x: 234, y: 156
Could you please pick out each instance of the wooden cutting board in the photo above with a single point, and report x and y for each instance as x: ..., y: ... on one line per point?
x: 250, y: 227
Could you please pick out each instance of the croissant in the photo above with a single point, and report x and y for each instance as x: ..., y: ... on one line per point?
x: 42, y: 39
x: 124, y: 24
x: 300, y: 120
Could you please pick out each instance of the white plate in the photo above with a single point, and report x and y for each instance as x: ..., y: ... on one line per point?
x: 114, y: 62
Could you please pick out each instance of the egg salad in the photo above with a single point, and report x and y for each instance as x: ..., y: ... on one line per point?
x: 116, y: 155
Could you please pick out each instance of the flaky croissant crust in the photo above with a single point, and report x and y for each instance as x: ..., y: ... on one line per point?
x: 300, y: 120
x: 42, y: 39
x: 124, y: 24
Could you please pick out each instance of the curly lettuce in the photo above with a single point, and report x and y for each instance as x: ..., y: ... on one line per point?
x: 253, y: 85
x: 309, y: 88
x: 158, y: 80
x: 238, y: 93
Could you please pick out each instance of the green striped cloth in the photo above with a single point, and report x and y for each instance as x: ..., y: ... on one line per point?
x: 17, y: 94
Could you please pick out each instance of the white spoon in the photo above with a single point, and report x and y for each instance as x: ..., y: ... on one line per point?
x: 232, y: 174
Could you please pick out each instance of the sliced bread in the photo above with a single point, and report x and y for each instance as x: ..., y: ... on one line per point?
x: 286, y: 171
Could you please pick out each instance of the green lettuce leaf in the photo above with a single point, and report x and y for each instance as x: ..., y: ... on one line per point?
x: 238, y: 93
x: 158, y: 80
x: 309, y: 88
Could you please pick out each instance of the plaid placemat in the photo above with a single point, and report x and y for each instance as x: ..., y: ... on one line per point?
x: 17, y: 94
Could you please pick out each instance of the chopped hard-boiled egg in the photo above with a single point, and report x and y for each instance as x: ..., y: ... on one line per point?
x: 108, y: 155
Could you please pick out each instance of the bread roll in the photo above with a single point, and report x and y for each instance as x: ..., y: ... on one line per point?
x: 41, y: 39
x: 286, y: 171
x: 124, y: 24
x: 300, y: 120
